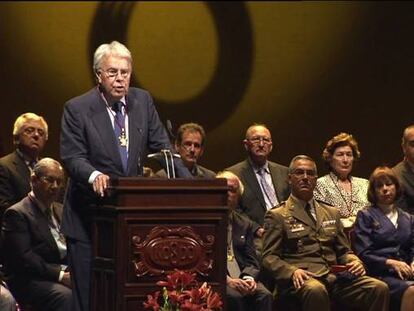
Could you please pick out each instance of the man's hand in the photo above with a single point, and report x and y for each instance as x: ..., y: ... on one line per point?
x: 403, y: 270
x: 252, y: 285
x: 300, y: 276
x: 66, y: 279
x: 100, y: 184
x: 242, y: 286
x: 356, y: 268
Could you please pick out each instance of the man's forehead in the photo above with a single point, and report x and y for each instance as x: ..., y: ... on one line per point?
x: 33, y: 123
x: 52, y: 167
x: 191, y: 135
x: 409, y: 135
x: 258, y: 130
x: 304, y: 164
x: 113, y: 60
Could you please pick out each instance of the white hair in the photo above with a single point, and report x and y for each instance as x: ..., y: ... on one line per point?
x: 110, y: 49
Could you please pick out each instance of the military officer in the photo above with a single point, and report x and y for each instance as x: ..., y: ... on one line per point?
x: 308, y: 254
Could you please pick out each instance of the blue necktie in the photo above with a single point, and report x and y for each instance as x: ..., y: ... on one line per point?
x: 268, y: 191
x: 119, y: 128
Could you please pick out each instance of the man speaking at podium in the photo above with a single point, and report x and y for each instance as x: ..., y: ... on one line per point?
x: 106, y: 133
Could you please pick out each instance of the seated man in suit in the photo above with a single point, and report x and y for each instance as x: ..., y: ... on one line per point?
x: 405, y: 170
x: 243, y: 291
x: 307, y: 252
x: 35, y: 261
x: 190, y: 146
x: 29, y: 137
x: 265, y: 182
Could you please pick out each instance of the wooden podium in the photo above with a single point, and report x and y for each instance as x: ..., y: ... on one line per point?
x: 149, y: 226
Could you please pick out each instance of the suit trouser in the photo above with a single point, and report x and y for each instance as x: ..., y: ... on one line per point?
x: 365, y: 293
x: 261, y: 300
x: 80, y: 264
x: 42, y: 295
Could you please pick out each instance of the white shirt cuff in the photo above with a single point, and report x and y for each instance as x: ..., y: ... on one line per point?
x: 93, y: 176
x: 248, y: 277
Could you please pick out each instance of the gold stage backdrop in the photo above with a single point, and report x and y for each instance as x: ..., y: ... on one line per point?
x: 307, y: 69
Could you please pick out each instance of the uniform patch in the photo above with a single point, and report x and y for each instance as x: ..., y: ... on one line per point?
x: 296, y: 227
x: 328, y: 223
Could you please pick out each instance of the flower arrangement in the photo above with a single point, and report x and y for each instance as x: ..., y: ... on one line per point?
x: 181, y: 292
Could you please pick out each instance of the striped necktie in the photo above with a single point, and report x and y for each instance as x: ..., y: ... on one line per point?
x: 120, y: 135
x: 268, y: 191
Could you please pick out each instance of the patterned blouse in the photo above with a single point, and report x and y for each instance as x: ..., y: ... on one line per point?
x: 328, y: 190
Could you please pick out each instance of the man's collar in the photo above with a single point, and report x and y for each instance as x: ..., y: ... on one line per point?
x: 25, y: 157
x: 194, y: 170
x: 40, y: 204
x: 303, y: 203
x: 256, y: 167
x: 409, y: 165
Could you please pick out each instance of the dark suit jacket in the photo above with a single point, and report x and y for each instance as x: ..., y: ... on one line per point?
x: 293, y: 241
x: 406, y: 176
x: 32, y: 253
x: 88, y: 143
x: 200, y: 172
x: 14, y: 180
x: 243, y: 247
x: 253, y: 203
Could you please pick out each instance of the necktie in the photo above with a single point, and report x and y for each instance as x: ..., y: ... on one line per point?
x: 120, y: 134
x: 268, y: 191
x: 308, y: 211
x: 56, y: 233
x: 31, y: 166
x: 48, y: 213
x: 232, y: 266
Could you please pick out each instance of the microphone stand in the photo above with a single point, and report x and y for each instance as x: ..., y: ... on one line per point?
x: 168, y: 157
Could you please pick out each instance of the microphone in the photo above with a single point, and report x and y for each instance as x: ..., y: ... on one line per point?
x: 169, y: 130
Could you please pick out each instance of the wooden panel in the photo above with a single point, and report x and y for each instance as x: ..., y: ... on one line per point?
x: 149, y: 227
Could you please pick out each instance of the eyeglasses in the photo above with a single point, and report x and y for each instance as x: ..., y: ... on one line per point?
x: 258, y: 139
x: 112, y: 73
x: 31, y: 130
x: 51, y: 180
x: 302, y: 173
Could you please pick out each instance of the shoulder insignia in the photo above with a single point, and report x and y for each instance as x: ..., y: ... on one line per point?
x: 279, y: 205
x: 323, y: 202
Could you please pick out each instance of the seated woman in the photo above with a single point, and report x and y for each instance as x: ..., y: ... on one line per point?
x: 339, y: 188
x: 384, y: 238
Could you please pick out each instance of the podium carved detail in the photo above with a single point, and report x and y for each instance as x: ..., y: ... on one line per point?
x: 167, y: 248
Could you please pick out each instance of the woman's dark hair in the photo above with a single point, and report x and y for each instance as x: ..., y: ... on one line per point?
x: 380, y: 175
